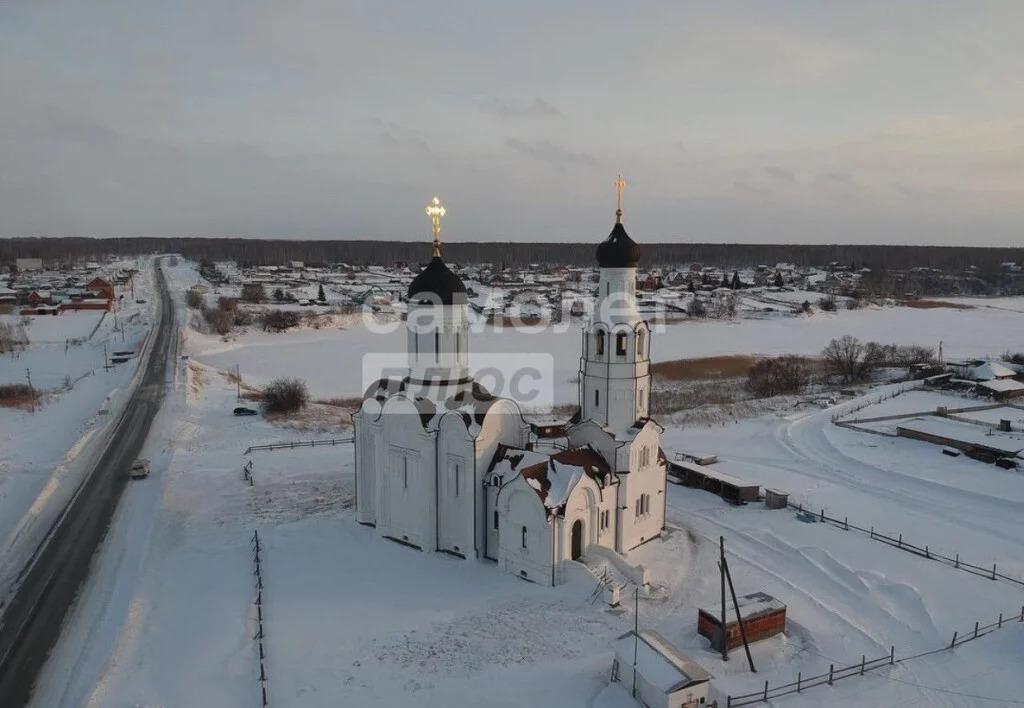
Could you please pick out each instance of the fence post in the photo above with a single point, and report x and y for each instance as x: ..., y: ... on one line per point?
x: 993, y: 571
x: 263, y: 673
x: 892, y: 654
x: 1022, y: 613
x: 728, y: 702
x: 799, y: 677
x: 901, y: 542
x: 822, y: 514
x: 862, y: 658
x: 766, y: 690
x: 264, y: 695
x: 926, y: 553
x: 957, y: 565
x: 953, y: 643
x: 1000, y: 625
x: 975, y: 630
x: 846, y: 522
x: 830, y: 667
x: 872, y: 532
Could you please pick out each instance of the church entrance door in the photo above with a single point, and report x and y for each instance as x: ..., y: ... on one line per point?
x: 576, y: 545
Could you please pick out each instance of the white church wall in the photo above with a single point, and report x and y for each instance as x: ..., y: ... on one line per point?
x: 503, y: 424
x: 406, y: 476
x: 437, y: 341
x: 366, y: 428
x: 642, y: 491
x: 582, y: 506
x: 457, y: 488
x: 525, y: 534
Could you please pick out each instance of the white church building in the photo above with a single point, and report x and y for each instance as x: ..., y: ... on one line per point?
x: 443, y: 465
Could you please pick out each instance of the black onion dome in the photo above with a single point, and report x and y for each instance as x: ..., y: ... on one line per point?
x: 618, y: 250
x: 436, y: 284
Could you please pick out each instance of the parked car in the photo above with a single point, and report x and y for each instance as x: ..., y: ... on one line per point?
x: 140, y: 469
x: 242, y: 410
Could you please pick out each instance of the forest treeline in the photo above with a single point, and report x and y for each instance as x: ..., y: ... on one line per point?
x: 248, y: 252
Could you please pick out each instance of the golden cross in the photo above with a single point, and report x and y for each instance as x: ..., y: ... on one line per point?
x: 620, y: 184
x: 435, y: 211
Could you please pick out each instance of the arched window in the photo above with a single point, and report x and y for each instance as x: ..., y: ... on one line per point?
x: 495, y: 520
x: 599, y: 342
x: 640, y: 342
x: 437, y: 346
x: 620, y: 343
x: 458, y: 345
x: 597, y: 398
x: 524, y: 537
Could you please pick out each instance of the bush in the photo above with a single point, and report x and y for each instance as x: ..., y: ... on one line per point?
x: 696, y: 308
x: 279, y: 320
x: 253, y: 292
x: 222, y: 321
x: 827, y: 304
x: 17, y: 394
x: 194, y: 299
x: 778, y: 376
x: 285, y: 395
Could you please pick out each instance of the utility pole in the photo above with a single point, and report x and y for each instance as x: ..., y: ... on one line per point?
x: 636, y: 632
x: 31, y: 390
x: 106, y: 364
x: 238, y: 380
x: 721, y: 569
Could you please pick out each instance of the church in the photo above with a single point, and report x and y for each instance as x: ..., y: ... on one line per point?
x: 443, y: 465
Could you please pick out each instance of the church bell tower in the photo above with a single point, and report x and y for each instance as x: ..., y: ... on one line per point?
x: 615, y: 379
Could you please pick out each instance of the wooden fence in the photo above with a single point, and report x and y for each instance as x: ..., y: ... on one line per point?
x: 899, y: 543
x: 301, y: 443
x: 864, y: 666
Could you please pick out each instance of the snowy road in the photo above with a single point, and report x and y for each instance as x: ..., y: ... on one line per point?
x: 49, y: 584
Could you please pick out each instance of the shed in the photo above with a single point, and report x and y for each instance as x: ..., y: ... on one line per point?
x: 665, y: 677
x: 763, y: 617
x: 774, y: 499
x: 713, y: 479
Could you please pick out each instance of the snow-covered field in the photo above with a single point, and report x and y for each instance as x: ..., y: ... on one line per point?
x: 331, y: 360
x: 350, y: 619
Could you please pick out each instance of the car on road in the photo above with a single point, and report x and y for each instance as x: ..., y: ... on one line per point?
x: 140, y: 469
x: 242, y: 410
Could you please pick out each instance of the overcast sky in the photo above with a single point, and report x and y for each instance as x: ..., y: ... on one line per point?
x: 872, y: 121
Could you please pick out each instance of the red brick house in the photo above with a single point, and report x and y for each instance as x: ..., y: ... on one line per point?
x: 763, y: 617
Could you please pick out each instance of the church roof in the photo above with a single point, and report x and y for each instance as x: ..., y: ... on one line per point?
x: 618, y: 250
x: 554, y: 478
x: 437, y: 285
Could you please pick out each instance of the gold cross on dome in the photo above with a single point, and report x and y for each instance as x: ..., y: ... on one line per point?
x: 435, y: 211
x: 620, y: 184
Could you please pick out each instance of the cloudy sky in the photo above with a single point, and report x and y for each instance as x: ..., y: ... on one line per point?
x: 875, y: 121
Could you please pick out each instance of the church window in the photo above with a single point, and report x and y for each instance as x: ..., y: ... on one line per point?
x: 620, y: 344
x: 458, y: 345
x: 597, y: 398
x: 495, y: 521
x: 437, y: 346
x: 405, y: 472
x: 416, y: 342
x: 640, y: 343
x: 599, y: 341
x: 524, y: 537
x: 458, y: 473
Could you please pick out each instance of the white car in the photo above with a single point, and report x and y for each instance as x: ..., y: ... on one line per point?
x: 140, y: 469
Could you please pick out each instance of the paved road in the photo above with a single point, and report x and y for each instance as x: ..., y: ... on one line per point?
x: 32, y: 620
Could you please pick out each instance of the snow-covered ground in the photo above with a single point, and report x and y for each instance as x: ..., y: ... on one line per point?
x: 331, y: 359
x: 43, y: 453
x: 350, y: 619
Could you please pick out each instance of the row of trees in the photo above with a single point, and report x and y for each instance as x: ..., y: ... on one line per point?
x: 845, y: 358
x: 574, y: 249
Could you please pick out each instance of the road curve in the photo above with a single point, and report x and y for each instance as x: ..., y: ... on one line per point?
x: 31, y: 623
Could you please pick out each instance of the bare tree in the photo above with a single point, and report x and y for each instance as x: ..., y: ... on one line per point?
x: 851, y: 359
x: 285, y: 395
x: 253, y: 292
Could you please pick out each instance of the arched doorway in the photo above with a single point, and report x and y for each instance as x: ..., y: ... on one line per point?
x: 576, y: 544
